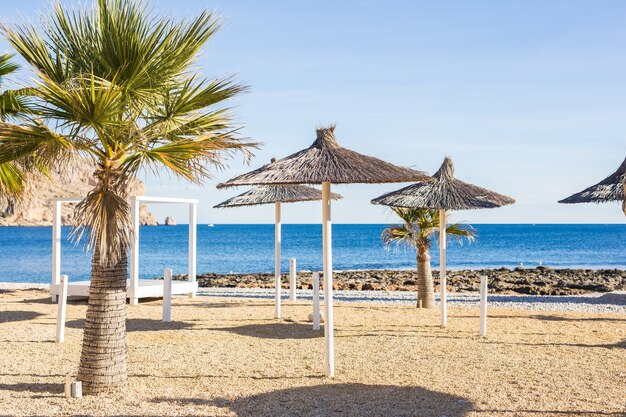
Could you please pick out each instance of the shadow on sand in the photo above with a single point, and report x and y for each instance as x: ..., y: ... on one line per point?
x: 275, y: 331
x: 341, y: 400
x: 617, y: 345
x: 37, y: 387
x: 11, y: 316
x: 139, y: 325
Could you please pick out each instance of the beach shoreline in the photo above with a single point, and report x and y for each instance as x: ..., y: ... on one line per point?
x: 520, y: 281
x: 529, y: 281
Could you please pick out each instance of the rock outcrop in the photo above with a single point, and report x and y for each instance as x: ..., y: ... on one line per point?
x: 535, y: 281
x: 37, y: 208
x: 169, y: 221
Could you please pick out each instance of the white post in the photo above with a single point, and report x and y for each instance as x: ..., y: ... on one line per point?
x: 328, y: 280
x: 56, y: 247
x: 193, y: 218
x: 167, y: 295
x: 134, y: 251
x: 483, y: 306
x: 62, y: 309
x: 442, y: 266
x: 316, y: 300
x: 277, y: 279
x: 292, y: 279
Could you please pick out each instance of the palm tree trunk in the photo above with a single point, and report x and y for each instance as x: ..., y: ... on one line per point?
x: 103, y: 357
x: 425, y: 287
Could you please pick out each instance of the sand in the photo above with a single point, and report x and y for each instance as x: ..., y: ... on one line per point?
x: 230, y: 357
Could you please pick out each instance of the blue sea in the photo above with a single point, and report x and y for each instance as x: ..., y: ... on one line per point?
x: 25, y: 252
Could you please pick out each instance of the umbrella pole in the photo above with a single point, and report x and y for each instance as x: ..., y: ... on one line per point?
x: 442, y: 266
x: 277, y: 238
x: 328, y: 281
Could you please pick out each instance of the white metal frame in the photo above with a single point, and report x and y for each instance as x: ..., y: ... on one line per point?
x: 135, y: 204
x: 137, y: 288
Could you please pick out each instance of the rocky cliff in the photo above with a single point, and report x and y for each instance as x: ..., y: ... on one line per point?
x: 77, y: 181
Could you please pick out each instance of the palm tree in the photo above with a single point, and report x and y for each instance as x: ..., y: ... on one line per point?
x: 416, y: 231
x: 116, y: 85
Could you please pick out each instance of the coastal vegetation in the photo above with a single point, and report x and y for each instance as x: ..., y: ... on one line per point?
x: 117, y: 85
x: 416, y: 230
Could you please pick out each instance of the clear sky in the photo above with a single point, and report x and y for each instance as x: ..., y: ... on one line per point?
x: 527, y: 97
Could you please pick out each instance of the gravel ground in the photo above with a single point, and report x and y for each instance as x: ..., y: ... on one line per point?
x: 614, y: 302
x: 230, y: 357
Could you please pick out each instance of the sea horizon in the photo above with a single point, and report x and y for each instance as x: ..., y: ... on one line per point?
x: 249, y: 248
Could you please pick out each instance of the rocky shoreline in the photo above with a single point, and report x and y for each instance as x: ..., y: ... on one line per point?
x: 532, y: 281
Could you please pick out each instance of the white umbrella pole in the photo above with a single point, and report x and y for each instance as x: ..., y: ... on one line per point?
x: 442, y: 266
x: 328, y: 280
x: 277, y: 238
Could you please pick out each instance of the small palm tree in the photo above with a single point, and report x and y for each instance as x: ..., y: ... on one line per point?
x: 117, y: 86
x: 416, y: 231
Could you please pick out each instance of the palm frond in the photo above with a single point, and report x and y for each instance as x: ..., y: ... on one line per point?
x: 461, y: 233
x: 34, y: 141
x: 7, y: 66
x: 11, y: 180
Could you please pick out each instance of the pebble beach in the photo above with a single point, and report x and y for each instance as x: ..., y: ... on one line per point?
x: 614, y: 302
x: 529, y: 281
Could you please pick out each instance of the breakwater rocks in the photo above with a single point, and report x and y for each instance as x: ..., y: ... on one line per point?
x: 535, y: 281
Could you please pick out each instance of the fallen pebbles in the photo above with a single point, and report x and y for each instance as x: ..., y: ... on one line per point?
x: 614, y: 302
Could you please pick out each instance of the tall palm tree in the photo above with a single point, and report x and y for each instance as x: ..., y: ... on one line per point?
x: 417, y: 229
x: 117, y: 85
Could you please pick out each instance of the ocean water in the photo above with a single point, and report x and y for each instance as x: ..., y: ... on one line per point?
x: 25, y: 252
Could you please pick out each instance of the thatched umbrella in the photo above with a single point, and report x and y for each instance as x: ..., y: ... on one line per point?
x: 612, y: 188
x: 326, y: 162
x: 275, y: 194
x: 444, y: 193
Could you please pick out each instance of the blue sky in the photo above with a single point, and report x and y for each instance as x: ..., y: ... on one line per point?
x: 527, y: 97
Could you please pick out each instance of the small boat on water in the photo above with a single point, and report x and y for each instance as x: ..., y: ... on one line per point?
x: 211, y: 225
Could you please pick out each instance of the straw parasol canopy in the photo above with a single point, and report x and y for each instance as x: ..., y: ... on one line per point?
x: 270, y: 194
x: 276, y: 194
x: 612, y: 188
x: 443, y: 192
x: 326, y: 162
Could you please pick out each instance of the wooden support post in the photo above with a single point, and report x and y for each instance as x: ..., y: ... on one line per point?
x: 277, y: 277
x: 167, y: 295
x: 134, y: 252
x: 483, y: 306
x: 292, y: 279
x: 193, y: 219
x: 62, y: 309
x: 327, y: 240
x: 56, y: 248
x: 316, y: 300
x: 442, y: 267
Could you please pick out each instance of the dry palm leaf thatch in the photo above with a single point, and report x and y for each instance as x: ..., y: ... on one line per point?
x: 326, y: 161
x: 609, y: 189
x: 269, y: 194
x: 444, y: 192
